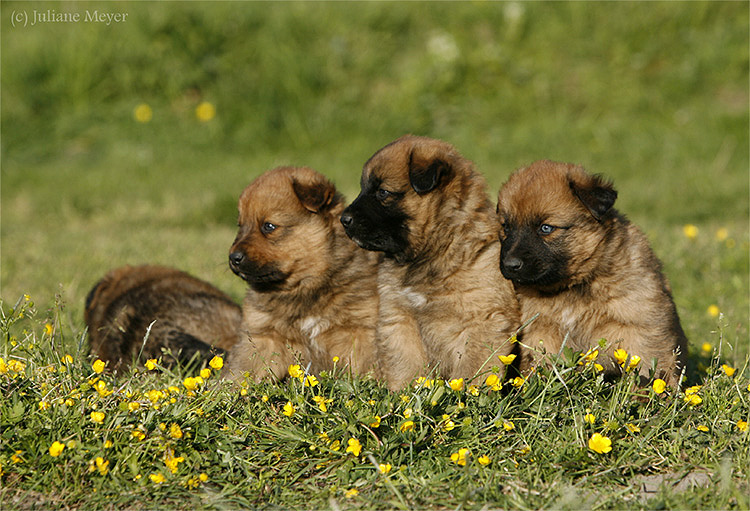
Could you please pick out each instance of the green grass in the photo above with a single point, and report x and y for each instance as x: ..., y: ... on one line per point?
x: 652, y: 94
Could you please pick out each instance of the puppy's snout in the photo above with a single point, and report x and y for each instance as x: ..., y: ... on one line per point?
x: 512, y: 263
x: 346, y: 219
x: 236, y: 258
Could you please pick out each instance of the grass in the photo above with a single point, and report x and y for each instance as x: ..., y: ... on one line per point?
x: 652, y: 94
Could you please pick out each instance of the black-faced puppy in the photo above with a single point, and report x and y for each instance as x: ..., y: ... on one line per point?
x: 312, y: 292
x: 190, y: 317
x: 585, y: 270
x: 444, y: 305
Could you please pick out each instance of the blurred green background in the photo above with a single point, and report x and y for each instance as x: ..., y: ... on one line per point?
x: 651, y: 94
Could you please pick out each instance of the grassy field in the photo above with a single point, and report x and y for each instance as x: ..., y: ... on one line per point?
x: 131, y: 142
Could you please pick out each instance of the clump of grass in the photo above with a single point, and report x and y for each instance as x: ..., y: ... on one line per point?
x: 75, y: 435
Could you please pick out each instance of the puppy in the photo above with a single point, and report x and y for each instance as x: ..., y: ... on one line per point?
x: 585, y: 270
x: 444, y: 305
x: 312, y: 293
x: 191, y: 318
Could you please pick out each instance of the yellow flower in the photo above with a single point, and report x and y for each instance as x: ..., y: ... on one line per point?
x: 706, y: 348
x: 600, y: 444
x: 310, y: 381
x: 48, y: 329
x: 407, y: 413
x: 690, y: 231
x: 203, y: 477
x: 97, y: 417
x: 659, y: 385
x: 473, y: 390
x: 191, y: 383
x: 138, y: 435
x: 742, y: 425
x: 157, y: 478
x: 634, y: 361
x: 507, y: 359
x: 175, y: 431
x: 205, y: 111
x: 407, y: 426
x: 101, y: 388
x: 589, y: 357
x: 701, y: 427
x: 459, y: 458
x: 56, y: 449
x: 98, y: 366
x: 384, y: 468
x: 44, y: 405
x: 693, y: 399
x: 288, y: 409
x: 692, y: 390
x: 713, y: 311
x: 322, y: 402
x: 16, y: 457
x: 205, y: 373
x: 456, y: 384
x: 154, y: 395
x: 484, y: 460
x: 589, y: 418
x: 335, y: 359
x: 171, y: 461
x: 729, y: 371
x: 101, y: 465
x: 517, y: 381
x: 375, y: 422
x: 217, y: 362
x: 354, y: 447
x: 722, y: 234
x: 264, y: 398
x: 151, y: 364
x: 143, y: 113
x: 621, y: 356
x: 67, y: 359
x: 134, y: 406
x: 508, y: 425
x: 632, y: 428
x: 448, y: 424
x: 108, y: 444
x: 295, y: 371
x: 351, y: 493
x: 599, y: 368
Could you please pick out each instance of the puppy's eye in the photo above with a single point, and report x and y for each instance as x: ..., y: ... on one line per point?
x: 381, y: 194
x: 267, y: 228
x: 546, y: 229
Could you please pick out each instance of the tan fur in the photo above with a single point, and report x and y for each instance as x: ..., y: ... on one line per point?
x: 327, y: 307
x: 440, y: 309
x: 190, y: 316
x: 615, y: 289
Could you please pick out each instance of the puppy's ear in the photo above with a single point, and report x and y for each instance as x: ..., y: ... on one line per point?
x: 596, y: 193
x: 316, y: 196
x: 425, y: 173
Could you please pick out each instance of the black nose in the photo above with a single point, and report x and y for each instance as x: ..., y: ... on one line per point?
x: 346, y: 219
x: 513, y: 263
x: 236, y: 258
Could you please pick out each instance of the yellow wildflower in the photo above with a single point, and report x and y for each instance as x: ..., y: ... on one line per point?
x: 192, y: 383
x: 310, y: 381
x: 621, y: 356
x: 632, y: 428
x: 335, y: 359
x: 375, y: 422
x: 143, y: 113
x: 589, y: 418
x: 138, y: 435
x: 175, y: 431
x: 456, y: 384
x: 713, y: 311
x: 722, y: 234
x: 288, y: 409
x: 216, y: 363
x: 634, y: 361
x: 98, y: 366
x: 484, y: 460
x: 134, y: 406
x: 729, y: 371
x: 16, y: 457
x: 151, y: 364
x: 742, y: 425
x: 659, y: 385
x: 171, y: 461
x: 693, y: 399
x: 517, y: 381
x: 48, y: 329
x: 448, y: 424
x: 97, y: 417
x: 351, y: 493
x: 407, y: 426
x: 101, y: 465
x: 706, y: 347
x: 157, y: 478
x: 459, y: 458
x: 384, y: 468
x: 508, y: 425
x: 154, y: 395
x: 692, y: 390
x: 295, y: 371
x: 599, y: 368
x: 56, y: 449
x: 600, y: 444
x: 205, y: 373
x: 690, y: 231
x: 507, y: 359
x: 322, y: 402
x: 108, y: 444
x: 473, y: 390
x: 205, y: 111
x: 589, y: 357
x: 354, y: 447
x: 203, y: 477
x: 702, y: 427
x: 44, y: 405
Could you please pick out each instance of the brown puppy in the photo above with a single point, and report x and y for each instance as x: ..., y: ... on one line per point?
x: 585, y: 270
x: 189, y: 316
x: 425, y: 207
x: 312, y: 293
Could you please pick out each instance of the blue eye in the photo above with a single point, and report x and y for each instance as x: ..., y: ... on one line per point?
x: 267, y: 228
x: 546, y: 229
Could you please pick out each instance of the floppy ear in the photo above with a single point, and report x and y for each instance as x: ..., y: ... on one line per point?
x: 425, y: 174
x: 597, y: 194
x: 315, y: 196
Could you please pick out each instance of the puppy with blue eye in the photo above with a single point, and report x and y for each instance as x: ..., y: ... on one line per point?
x: 312, y: 294
x: 445, y: 309
x: 585, y: 272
